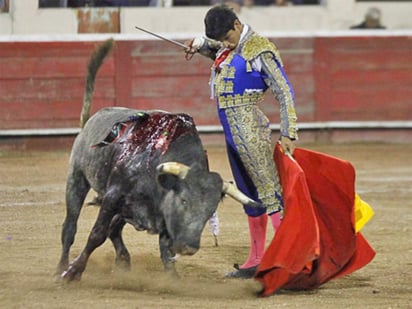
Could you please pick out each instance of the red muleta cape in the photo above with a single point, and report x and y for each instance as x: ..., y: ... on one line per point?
x: 316, y: 240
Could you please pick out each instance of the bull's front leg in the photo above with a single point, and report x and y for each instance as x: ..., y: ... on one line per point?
x: 96, y: 238
x: 167, y: 254
x: 115, y: 234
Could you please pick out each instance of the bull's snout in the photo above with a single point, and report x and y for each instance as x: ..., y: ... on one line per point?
x: 185, y: 249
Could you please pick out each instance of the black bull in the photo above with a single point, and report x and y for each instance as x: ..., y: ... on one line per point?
x: 149, y: 169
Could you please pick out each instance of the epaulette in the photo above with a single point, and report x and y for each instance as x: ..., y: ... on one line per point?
x: 257, y: 45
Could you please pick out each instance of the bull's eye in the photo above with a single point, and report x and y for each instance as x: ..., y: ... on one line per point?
x: 185, y: 204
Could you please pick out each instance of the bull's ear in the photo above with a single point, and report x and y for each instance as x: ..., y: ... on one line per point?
x: 168, y: 181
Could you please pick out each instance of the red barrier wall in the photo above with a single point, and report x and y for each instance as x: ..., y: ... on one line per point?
x: 334, y: 78
x: 363, y: 78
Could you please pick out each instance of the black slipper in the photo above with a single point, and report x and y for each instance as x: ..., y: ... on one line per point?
x: 242, y: 273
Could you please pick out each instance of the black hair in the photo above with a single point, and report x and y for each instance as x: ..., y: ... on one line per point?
x: 218, y: 21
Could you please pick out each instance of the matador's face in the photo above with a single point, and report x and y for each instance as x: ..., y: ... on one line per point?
x: 231, y: 38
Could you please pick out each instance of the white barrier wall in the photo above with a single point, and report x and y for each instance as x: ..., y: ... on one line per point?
x: 24, y: 17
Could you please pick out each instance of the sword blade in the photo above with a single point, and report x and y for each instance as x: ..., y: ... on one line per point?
x: 163, y: 38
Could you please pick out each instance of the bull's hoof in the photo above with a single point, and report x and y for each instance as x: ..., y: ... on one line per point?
x: 71, y: 275
x: 57, y: 278
x: 171, y: 271
x: 242, y: 273
x: 123, y: 263
x: 61, y: 268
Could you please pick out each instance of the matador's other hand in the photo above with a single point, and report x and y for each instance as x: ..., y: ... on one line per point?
x: 287, y: 144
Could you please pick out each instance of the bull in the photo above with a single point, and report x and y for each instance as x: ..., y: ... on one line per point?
x: 149, y: 169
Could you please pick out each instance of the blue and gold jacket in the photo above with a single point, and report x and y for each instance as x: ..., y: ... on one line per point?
x: 241, y: 76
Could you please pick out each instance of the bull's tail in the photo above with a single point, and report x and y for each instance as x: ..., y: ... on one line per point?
x: 95, y: 62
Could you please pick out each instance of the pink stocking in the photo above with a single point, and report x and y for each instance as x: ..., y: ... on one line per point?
x: 276, y: 220
x: 257, y: 231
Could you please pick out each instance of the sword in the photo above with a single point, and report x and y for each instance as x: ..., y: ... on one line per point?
x: 163, y: 38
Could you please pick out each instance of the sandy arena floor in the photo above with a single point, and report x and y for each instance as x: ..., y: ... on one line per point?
x: 32, y: 211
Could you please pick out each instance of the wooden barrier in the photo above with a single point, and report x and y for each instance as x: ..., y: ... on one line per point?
x: 365, y: 78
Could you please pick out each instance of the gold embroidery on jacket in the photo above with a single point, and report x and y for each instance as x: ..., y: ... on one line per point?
x: 226, y: 72
x: 257, y: 45
x: 239, y: 100
x: 278, y: 85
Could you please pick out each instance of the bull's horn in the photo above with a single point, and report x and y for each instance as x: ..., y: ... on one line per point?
x: 174, y: 168
x: 231, y: 190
